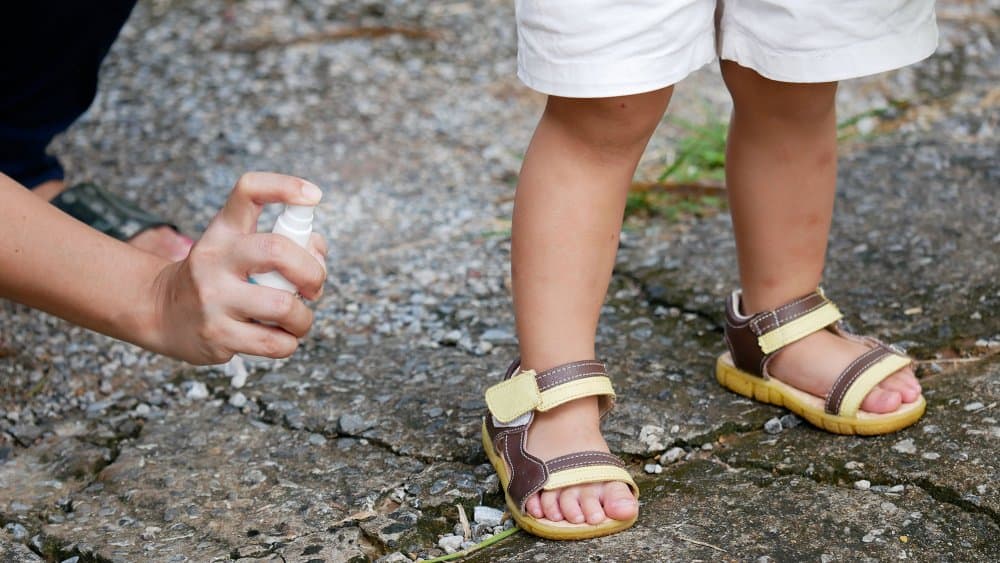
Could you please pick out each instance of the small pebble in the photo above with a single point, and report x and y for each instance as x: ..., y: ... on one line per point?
x: 671, y: 455
x: 773, y: 426
x: 487, y: 516
x: 790, y: 421
x: 930, y: 455
x: 197, y: 390
x: 863, y: 485
x: 236, y: 369
x: 905, y: 446
x: 17, y: 531
x: 317, y: 439
x: 238, y: 400
x: 896, y: 489
x: 653, y: 468
x: 707, y: 447
x: 974, y: 406
x: 451, y: 338
x: 451, y: 543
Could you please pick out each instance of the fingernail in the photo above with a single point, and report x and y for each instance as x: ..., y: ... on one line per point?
x: 312, y: 192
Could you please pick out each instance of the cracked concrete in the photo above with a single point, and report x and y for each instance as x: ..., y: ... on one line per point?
x: 360, y: 446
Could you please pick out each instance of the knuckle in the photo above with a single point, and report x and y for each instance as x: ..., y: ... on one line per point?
x: 244, y: 181
x: 283, y: 303
x: 271, y: 247
x: 209, y: 333
x: 276, y: 346
x: 221, y: 356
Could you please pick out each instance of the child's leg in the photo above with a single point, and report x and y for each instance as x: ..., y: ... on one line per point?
x: 781, y: 167
x: 567, y: 218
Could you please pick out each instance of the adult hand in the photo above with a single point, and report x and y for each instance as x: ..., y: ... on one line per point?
x: 205, y: 307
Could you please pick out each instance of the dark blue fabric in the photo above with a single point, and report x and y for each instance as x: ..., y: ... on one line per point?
x: 50, y: 53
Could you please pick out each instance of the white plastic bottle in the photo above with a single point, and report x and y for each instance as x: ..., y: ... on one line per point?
x: 295, y: 223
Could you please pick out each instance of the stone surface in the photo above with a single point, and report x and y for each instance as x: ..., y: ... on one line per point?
x: 11, y: 552
x: 361, y: 445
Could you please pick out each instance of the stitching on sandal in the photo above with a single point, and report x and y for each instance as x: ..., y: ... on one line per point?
x: 850, y: 382
x: 565, y: 378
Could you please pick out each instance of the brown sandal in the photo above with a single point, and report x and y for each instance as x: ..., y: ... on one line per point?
x: 755, y: 340
x: 512, y: 404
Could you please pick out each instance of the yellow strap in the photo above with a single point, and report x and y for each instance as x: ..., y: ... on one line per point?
x: 813, y: 321
x: 519, y: 395
x: 514, y: 397
x: 867, y: 381
x: 586, y: 387
x: 590, y: 474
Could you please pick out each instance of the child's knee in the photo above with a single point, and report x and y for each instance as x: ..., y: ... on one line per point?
x: 622, y: 123
x: 756, y: 96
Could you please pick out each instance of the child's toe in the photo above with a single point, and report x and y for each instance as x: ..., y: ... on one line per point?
x: 534, y: 506
x: 899, y: 385
x: 569, y: 505
x: 590, y: 503
x: 881, y: 400
x: 550, y: 505
x: 619, y: 503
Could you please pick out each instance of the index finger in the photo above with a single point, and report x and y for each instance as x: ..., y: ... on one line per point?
x: 255, y: 189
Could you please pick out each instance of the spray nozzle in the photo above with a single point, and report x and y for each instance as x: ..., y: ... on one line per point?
x: 297, y: 217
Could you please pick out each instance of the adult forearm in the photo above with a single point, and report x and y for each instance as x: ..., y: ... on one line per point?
x: 52, y: 262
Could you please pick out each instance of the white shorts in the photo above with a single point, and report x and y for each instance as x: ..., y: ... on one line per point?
x: 602, y: 48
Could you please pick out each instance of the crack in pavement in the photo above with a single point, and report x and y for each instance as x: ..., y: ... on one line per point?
x: 842, y: 479
x: 379, y: 443
x: 653, y: 300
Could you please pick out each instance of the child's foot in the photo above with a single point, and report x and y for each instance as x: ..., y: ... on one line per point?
x: 570, y: 428
x: 814, y: 363
x: 161, y: 241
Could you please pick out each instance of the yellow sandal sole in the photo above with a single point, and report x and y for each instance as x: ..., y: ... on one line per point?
x: 811, y: 407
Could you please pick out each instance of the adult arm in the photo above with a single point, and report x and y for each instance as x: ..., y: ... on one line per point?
x: 198, y: 309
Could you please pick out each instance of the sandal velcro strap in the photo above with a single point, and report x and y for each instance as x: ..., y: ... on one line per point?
x: 527, y: 391
x: 754, y: 339
x: 794, y: 321
x: 860, y: 377
x: 586, y: 467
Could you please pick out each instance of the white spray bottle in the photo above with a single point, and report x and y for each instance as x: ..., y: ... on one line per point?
x: 295, y: 223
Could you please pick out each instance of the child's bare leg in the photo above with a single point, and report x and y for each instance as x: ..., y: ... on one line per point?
x: 567, y: 218
x: 781, y: 167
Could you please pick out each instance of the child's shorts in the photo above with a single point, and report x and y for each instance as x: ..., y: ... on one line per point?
x: 602, y: 48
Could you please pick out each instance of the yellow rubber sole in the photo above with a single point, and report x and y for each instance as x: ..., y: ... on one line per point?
x: 810, y: 407
x: 541, y: 527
